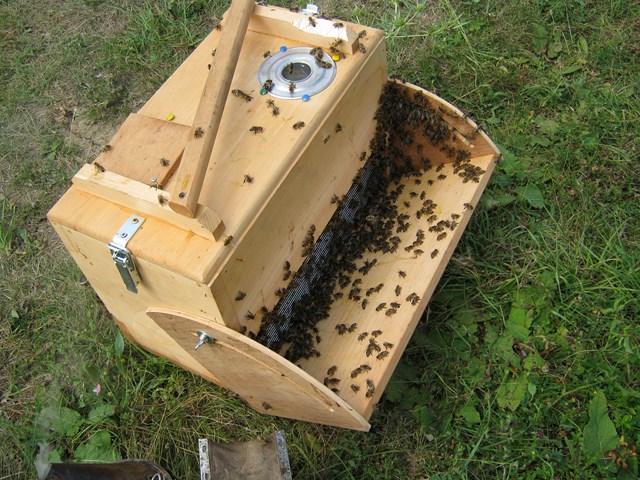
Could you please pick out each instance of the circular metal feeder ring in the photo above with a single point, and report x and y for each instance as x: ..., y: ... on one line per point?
x: 296, y: 66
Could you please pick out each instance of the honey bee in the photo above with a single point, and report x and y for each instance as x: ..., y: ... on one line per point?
x: 362, y: 48
x: 402, y: 274
x: 107, y: 148
x: 352, y: 327
x: 294, y: 9
x: 243, y: 329
x: 365, y: 302
x: 161, y: 200
x: 441, y: 177
x: 417, y: 181
x: 440, y: 167
x: 362, y: 34
x: 286, y: 275
x: 164, y: 162
x: 292, y: 87
x: 256, y: 130
x: 441, y: 236
x: 455, y: 216
x: 338, y: 25
x: 376, y: 333
x: 298, y: 125
x: 266, y: 406
x: 398, y: 290
x: 312, y: 22
x: 266, y: 54
x: 418, y: 252
x: 240, y: 295
x: 362, y: 336
x: 247, y: 179
x: 365, y: 367
x: 387, y: 345
x: 219, y: 26
x: 268, y: 85
x: 391, y: 311
x: 250, y: 315
x: 382, y: 355
x: 355, y: 388
x: 240, y: 94
x: 338, y: 128
x: 330, y: 381
x: 342, y: 328
x: 332, y: 370
x: 198, y: 132
x: 467, y: 206
x: 326, y: 138
x: 363, y: 156
x: 434, y: 254
x: 98, y: 168
x: 227, y: 240
x: 394, y: 305
x: 371, y: 388
x: 381, y: 306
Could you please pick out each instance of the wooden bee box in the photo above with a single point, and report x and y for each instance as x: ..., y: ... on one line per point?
x: 209, y: 274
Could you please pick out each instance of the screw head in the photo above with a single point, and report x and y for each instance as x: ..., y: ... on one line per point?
x: 124, y: 235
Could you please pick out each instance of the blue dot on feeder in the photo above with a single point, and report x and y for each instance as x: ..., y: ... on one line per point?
x: 305, y: 98
x: 283, y: 48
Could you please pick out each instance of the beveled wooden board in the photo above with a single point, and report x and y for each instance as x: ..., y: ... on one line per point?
x: 266, y: 381
x: 144, y: 148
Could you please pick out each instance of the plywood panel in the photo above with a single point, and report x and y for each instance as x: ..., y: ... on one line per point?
x: 266, y: 381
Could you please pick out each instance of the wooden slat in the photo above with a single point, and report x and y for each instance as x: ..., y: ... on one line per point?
x: 265, y: 380
x: 195, y: 159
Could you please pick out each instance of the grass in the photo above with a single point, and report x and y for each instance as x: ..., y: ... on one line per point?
x: 536, y: 312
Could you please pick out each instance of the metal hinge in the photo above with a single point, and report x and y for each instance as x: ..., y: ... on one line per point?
x: 122, y: 256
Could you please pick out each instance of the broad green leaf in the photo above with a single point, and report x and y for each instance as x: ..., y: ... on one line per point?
x: 119, y: 344
x: 583, y: 46
x: 554, y: 49
x: 469, y: 413
x: 599, y: 435
x: 101, y: 412
x: 98, y: 449
x: 61, y: 420
x: 539, y: 140
x: 532, y: 389
x: 511, y: 393
x: 548, y: 126
x: 532, y: 195
x: 519, y: 322
x: 493, y: 201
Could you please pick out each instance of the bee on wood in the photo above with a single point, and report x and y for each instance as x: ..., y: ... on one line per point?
x: 418, y: 252
x: 395, y: 305
x: 363, y: 156
x: 467, y: 206
x: 198, y: 132
x: 362, y: 336
x: 312, y: 22
x: 430, y: 182
x: 362, y: 34
x: 256, y: 130
x: 240, y: 295
x: 161, y: 200
x: 294, y: 9
x: 441, y: 177
x: 280, y: 292
x: 398, y: 290
x: 298, y: 125
x: 266, y: 406
x: 391, y: 311
x: 333, y: 369
x: 326, y: 138
x: 227, y: 240
x: 247, y: 179
x: 286, y: 275
x: 264, y: 310
x: 440, y: 167
x: 338, y: 25
x: 381, y: 306
x: 338, y: 295
x: 98, y: 168
x: 373, y: 346
x: 352, y: 327
x: 243, y: 329
x: 250, y: 315
x: 423, y: 195
x: 266, y: 54
x: 434, y: 254
x: 335, y: 390
x: 362, y: 48
x: 371, y: 388
x: 240, y: 94
x: 406, y: 204
x: 417, y: 181
x: 355, y: 372
x: 432, y: 218
x: 376, y: 333
x: 382, y: 355
x: 342, y: 328
x: 164, y: 162
x: 402, y: 274
x: 219, y: 26
x: 455, y: 216
x: 365, y: 302
x: 338, y: 128
x: 365, y: 367
x: 107, y: 148
x: 331, y: 381
x: 355, y: 388
x: 275, y: 111
x: 387, y: 345
x: 442, y: 236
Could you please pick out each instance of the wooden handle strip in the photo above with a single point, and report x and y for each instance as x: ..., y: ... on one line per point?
x: 197, y: 152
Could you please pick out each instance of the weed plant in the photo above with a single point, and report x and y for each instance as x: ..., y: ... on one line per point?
x: 527, y: 362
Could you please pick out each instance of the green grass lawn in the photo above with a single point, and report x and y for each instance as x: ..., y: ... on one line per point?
x: 527, y: 363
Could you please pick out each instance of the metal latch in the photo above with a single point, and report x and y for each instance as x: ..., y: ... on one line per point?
x: 122, y: 256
